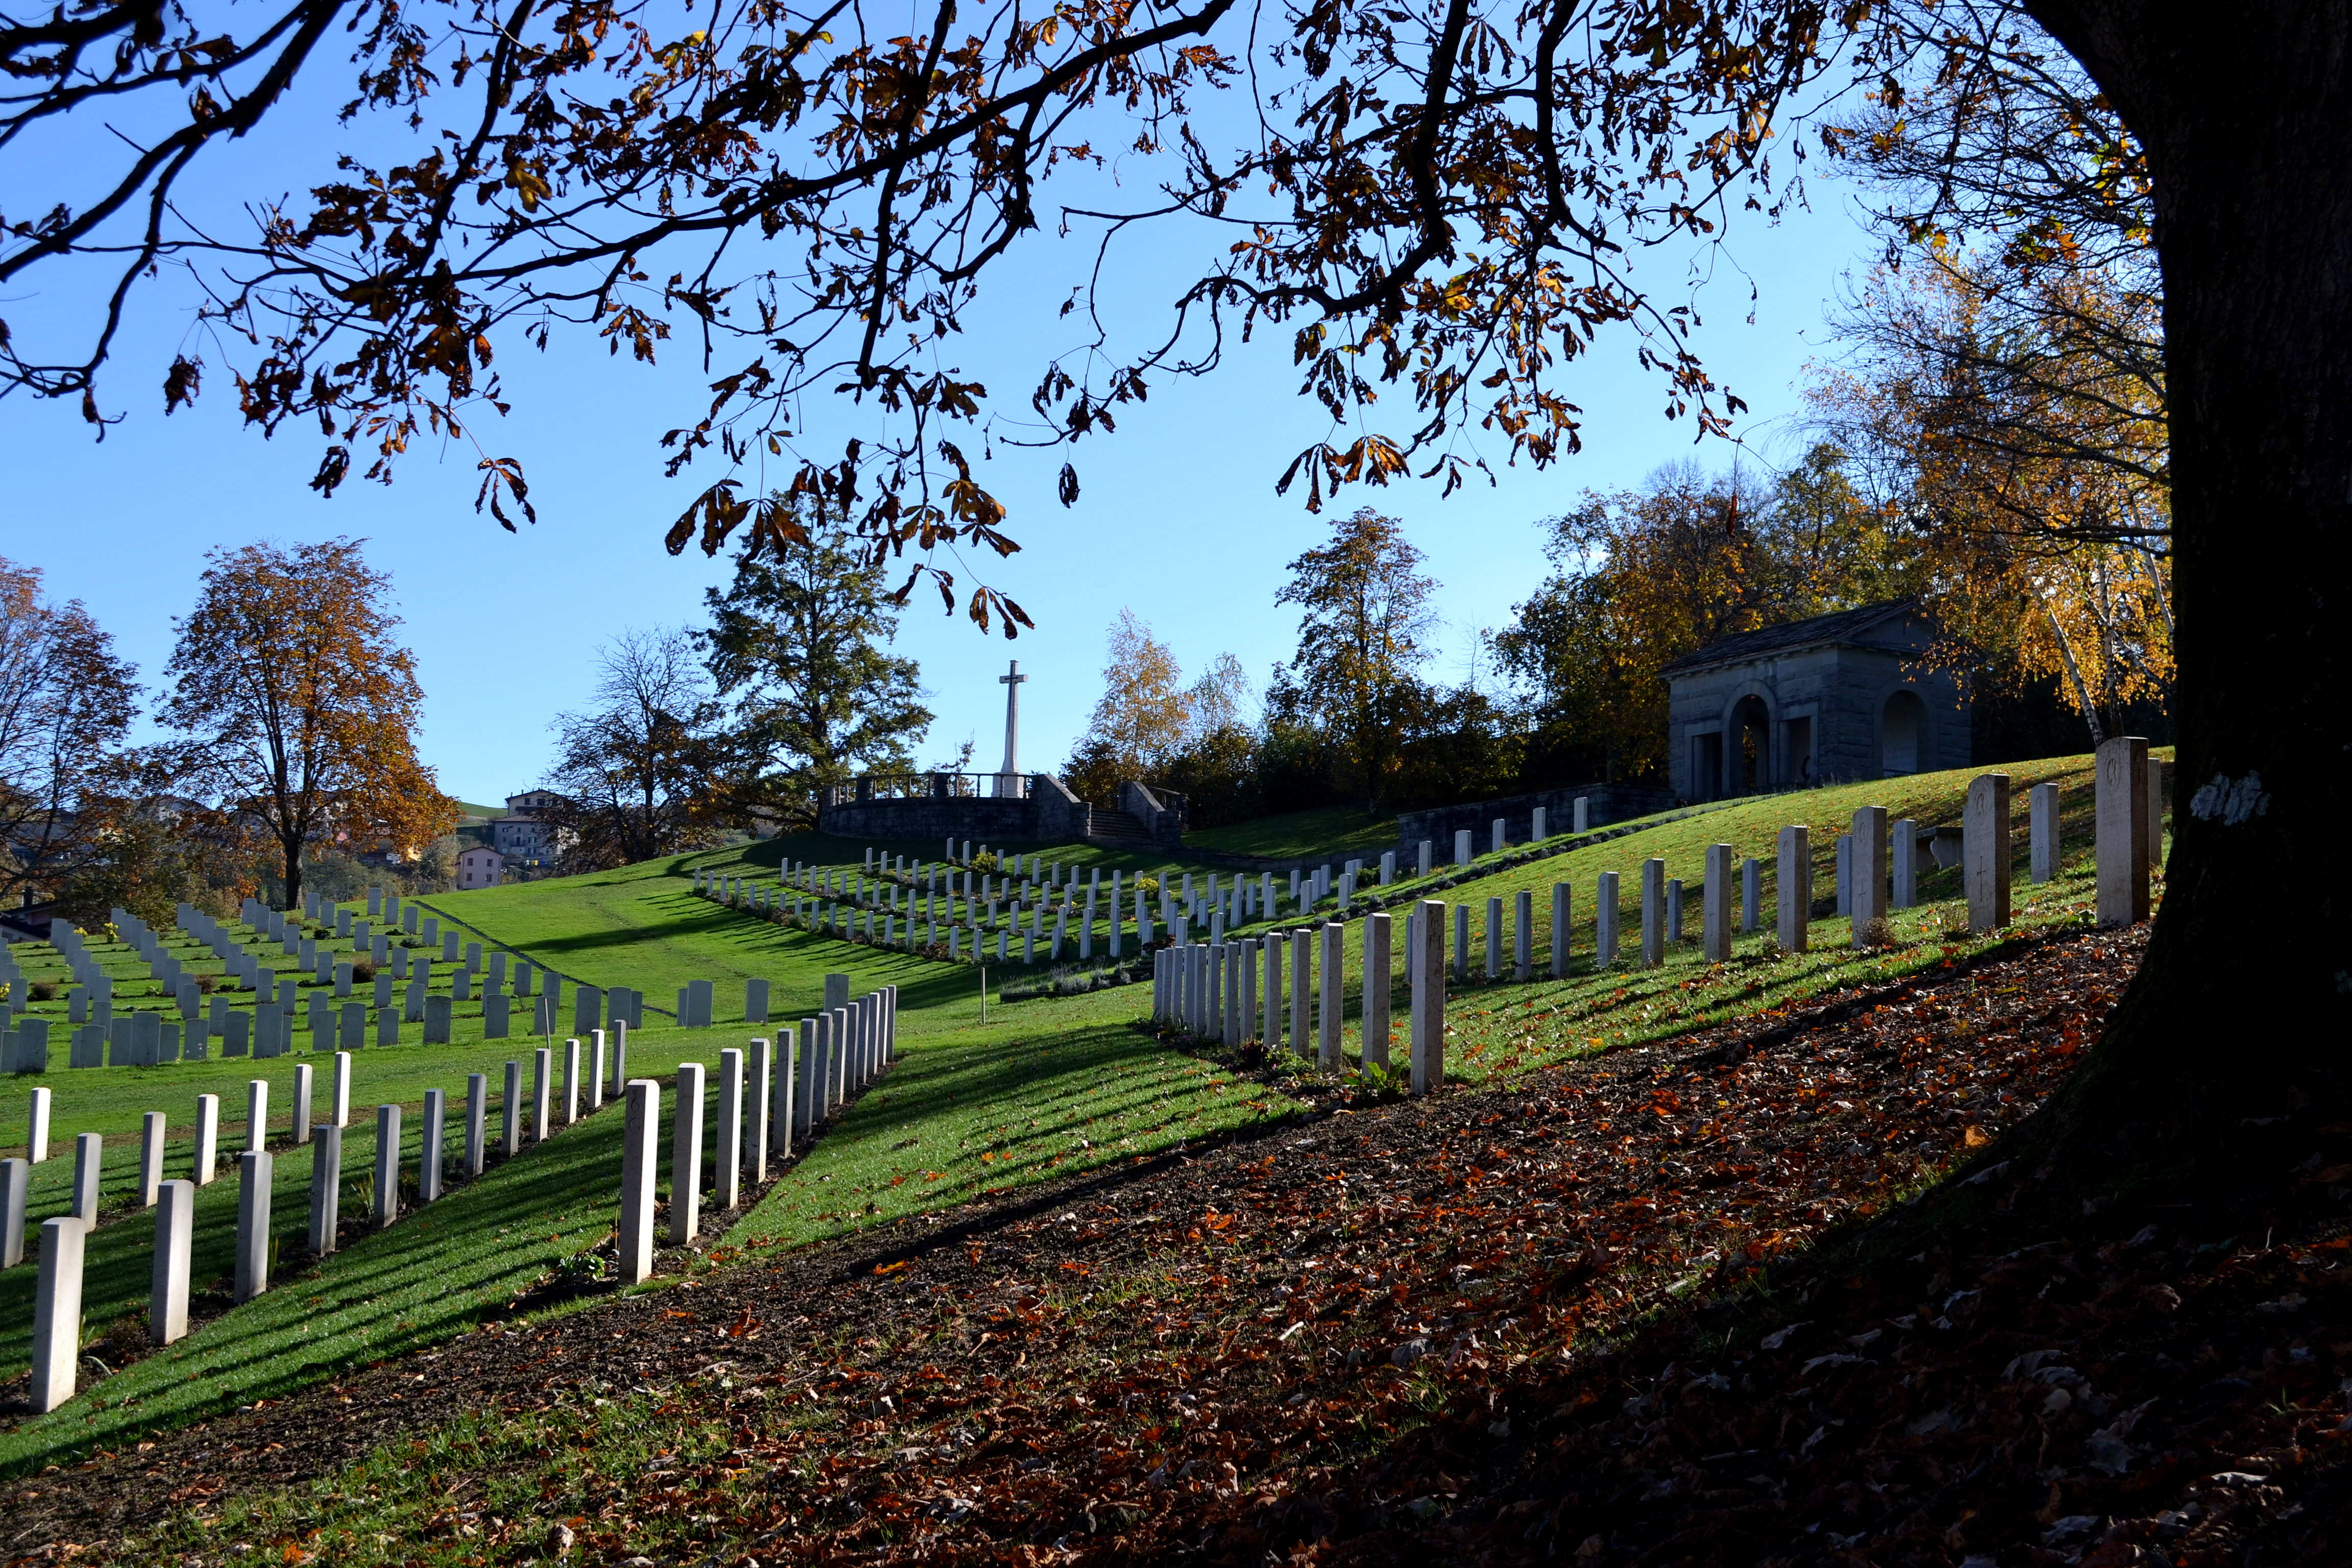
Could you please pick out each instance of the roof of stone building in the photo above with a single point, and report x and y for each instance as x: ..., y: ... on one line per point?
x: 1838, y: 627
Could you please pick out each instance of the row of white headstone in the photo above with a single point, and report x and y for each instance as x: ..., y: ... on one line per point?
x: 1232, y: 991
x: 57, y: 1291
x: 1212, y: 989
x: 788, y: 1085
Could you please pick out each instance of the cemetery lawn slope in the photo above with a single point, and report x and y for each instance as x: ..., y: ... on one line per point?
x: 1334, y: 831
x: 1543, y: 1304
x: 1042, y: 1091
x: 1506, y: 1025
x: 433, y: 1275
x: 643, y: 926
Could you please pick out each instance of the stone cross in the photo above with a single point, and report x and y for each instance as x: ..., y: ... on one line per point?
x: 1011, y: 681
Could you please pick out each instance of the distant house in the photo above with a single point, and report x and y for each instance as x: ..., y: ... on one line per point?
x: 1839, y: 696
x: 526, y: 833
x: 479, y: 866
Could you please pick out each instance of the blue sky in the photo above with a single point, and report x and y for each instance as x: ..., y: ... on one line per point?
x: 1178, y: 519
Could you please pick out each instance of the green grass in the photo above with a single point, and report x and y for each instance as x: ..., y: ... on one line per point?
x: 643, y: 926
x: 1334, y: 831
x: 1504, y: 1025
x: 1042, y: 1089
x: 977, y: 1111
x: 431, y: 1276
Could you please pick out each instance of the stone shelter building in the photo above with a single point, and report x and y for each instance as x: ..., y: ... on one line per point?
x: 1836, y: 698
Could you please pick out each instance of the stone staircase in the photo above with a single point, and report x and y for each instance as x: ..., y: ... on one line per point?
x: 1117, y: 829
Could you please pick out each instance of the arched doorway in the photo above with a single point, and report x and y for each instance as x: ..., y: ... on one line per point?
x: 1750, y: 762
x: 1901, y: 733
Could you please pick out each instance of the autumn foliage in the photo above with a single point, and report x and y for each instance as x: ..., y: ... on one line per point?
x: 296, y: 708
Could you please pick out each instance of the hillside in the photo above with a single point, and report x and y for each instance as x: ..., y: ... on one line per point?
x: 1048, y: 1090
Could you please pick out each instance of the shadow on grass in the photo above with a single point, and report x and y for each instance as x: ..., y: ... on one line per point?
x: 434, y: 1274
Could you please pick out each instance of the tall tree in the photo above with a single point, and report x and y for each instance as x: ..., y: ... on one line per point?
x: 2005, y: 384
x: 1141, y: 719
x: 798, y: 647
x: 296, y: 708
x: 1363, y: 609
x: 1641, y: 577
x: 66, y: 705
x: 642, y: 770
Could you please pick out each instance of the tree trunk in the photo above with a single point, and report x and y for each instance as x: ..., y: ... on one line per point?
x: 292, y: 851
x: 2242, y: 1011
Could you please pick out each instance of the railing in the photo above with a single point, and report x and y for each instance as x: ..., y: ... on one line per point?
x: 927, y: 786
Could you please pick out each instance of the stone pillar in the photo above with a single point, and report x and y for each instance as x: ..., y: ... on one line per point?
x: 1560, y: 930
x: 1462, y: 942
x: 808, y: 1081
x: 1422, y: 861
x: 387, y: 1164
x: 1302, y: 987
x: 1425, y: 974
x: 510, y: 1112
x: 686, y: 1156
x: 2042, y: 809
x: 1751, y: 895
x: 302, y: 1099
x: 641, y: 1105
x: 1233, y: 1021
x: 15, y: 1185
x: 1494, y: 937
x: 1380, y: 970
x: 326, y: 1187
x: 477, y: 1115
x: 428, y: 1160
x: 1501, y: 839
x: 1332, y: 993
x: 175, y: 1233
x: 1674, y: 912
x: 1716, y: 913
x: 1792, y: 874
x: 151, y: 1158
x: 1604, y: 920
x: 339, y: 1105
x: 542, y: 1091
x: 1523, y: 964
x: 1985, y: 852
x: 36, y: 1128
x: 1539, y: 828
x: 1462, y: 847
x: 1844, y: 904
x: 89, y: 1149
x: 1270, y: 1038
x: 1902, y: 849
x: 758, y: 1086
x: 56, y: 1314
x: 571, y: 1081
x: 1867, y: 871
x: 1653, y: 911
x: 256, y: 1170
x: 727, y: 1180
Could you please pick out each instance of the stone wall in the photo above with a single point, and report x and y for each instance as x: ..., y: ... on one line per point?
x: 1049, y: 813
x: 1603, y: 804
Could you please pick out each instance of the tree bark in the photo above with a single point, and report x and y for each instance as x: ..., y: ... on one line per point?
x: 2242, y: 1013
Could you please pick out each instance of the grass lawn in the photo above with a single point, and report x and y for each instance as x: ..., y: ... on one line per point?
x: 427, y: 1277
x: 643, y: 926
x: 1336, y: 832
x: 1044, y: 1088
x: 1040, y: 1090
x: 1506, y: 1025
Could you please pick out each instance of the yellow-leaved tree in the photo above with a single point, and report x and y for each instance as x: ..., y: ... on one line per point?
x: 297, y: 710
